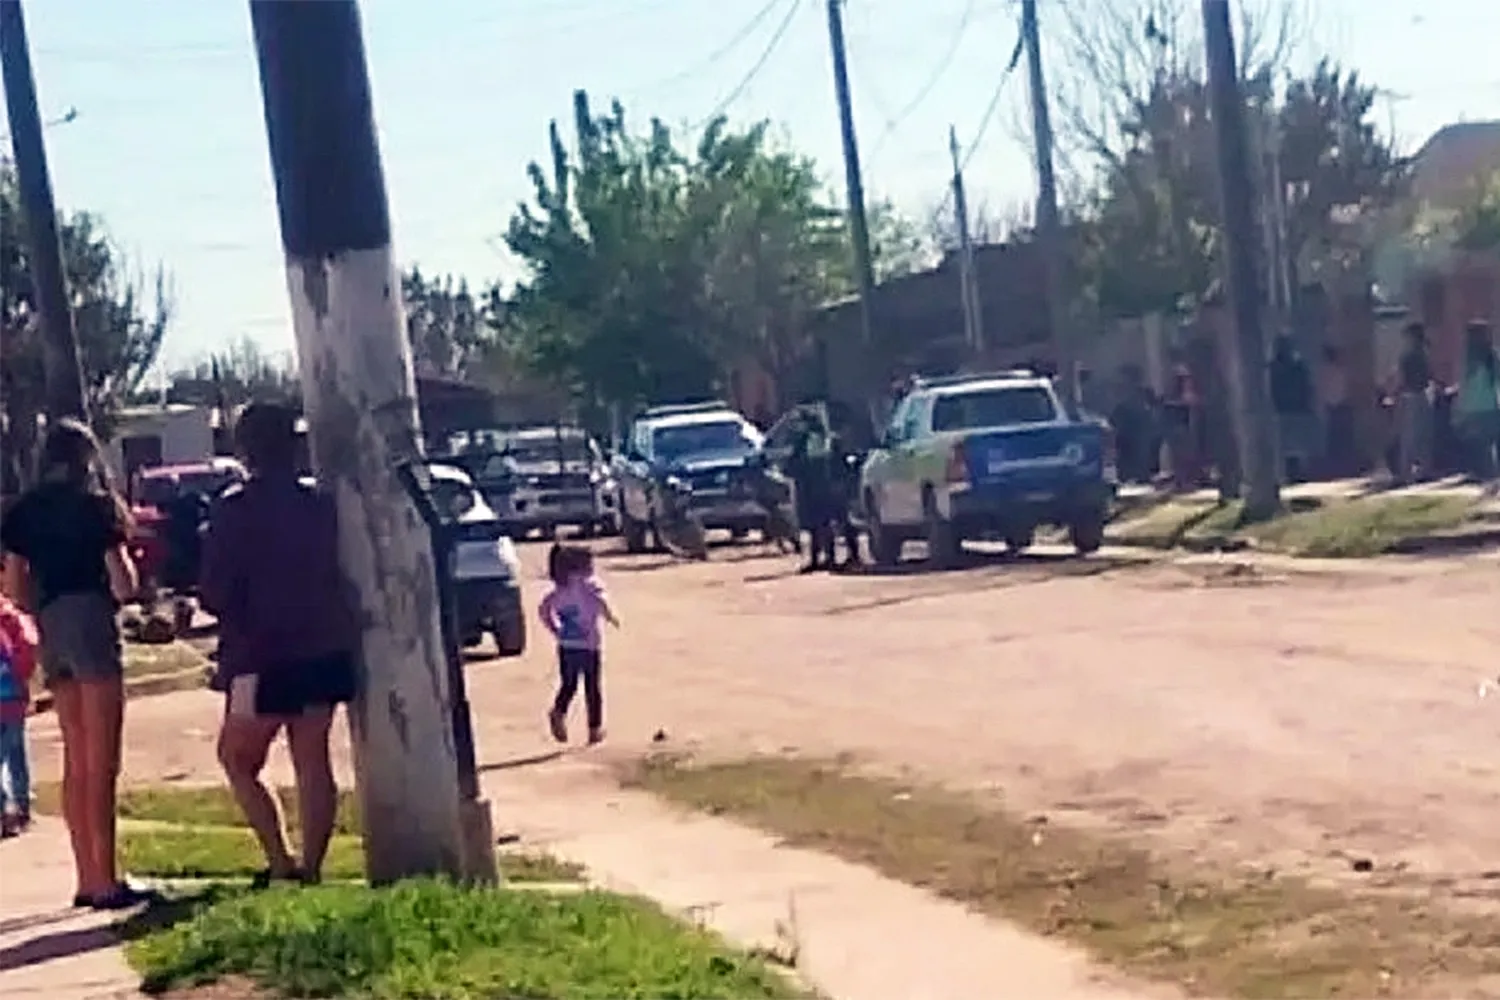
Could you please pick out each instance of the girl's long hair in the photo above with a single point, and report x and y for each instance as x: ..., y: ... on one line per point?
x: 71, y: 455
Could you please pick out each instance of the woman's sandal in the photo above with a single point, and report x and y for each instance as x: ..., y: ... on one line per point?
x: 265, y: 878
x: 123, y: 896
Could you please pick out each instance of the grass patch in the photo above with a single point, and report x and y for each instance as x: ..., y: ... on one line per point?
x: 1356, y: 527
x: 427, y: 940
x: 1364, y: 526
x: 154, y: 660
x: 206, y: 805
x: 204, y: 852
x: 1255, y: 937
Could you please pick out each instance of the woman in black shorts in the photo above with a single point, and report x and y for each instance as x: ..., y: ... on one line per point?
x: 288, y: 636
x: 66, y: 561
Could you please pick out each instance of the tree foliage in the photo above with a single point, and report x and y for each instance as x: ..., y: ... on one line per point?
x: 240, y: 373
x: 655, y: 267
x: 120, y: 315
x: 1137, y: 115
x: 452, y: 330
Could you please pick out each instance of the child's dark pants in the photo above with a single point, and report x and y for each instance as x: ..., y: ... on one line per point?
x: 576, y: 665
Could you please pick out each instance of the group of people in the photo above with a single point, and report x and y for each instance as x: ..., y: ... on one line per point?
x: 288, y: 638
x: 1432, y: 428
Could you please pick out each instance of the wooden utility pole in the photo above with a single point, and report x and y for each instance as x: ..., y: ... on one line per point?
x: 859, y: 230
x: 1249, y: 391
x: 65, y: 395
x: 968, y: 281
x: 1048, y: 223
x: 361, y: 406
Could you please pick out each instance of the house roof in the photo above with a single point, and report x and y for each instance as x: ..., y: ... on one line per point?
x: 1457, y: 156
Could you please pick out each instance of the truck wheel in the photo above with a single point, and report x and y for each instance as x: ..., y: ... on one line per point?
x: 1087, y: 532
x: 510, y: 638
x: 885, y: 548
x: 1018, y: 540
x: 634, y: 532
x: 943, y: 544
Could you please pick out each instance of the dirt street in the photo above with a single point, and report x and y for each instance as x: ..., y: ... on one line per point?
x: 1289, y: 722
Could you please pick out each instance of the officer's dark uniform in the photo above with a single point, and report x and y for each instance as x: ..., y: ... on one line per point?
x: 810, y: 466
x: 846, y: 496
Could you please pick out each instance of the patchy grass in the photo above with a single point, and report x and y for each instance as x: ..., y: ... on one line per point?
x: 1262, y: 936
x: 154, y: 660
x: 1355, y: 527
x: 196, y: 805
x: 212, y: 852
x: 427, y: 940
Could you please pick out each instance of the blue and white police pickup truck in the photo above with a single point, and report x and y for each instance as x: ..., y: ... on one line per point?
x: 985, y: 457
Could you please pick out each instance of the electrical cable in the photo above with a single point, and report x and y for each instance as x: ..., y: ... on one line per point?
x: 755, y: 68
x: 989, y: 111
x: 735, y: 41
x: 924, y: 91
x: 989, y: 114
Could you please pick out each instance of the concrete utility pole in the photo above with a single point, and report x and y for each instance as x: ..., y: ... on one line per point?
x: 968, y: 281
x: 361, y: 407
x: 854, y: 179
x: 1048, y: 224
x: 65, y: 395
x: 1249, y: 391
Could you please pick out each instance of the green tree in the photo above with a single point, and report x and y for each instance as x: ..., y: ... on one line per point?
x: 654, y: 268
x: 120, y: 315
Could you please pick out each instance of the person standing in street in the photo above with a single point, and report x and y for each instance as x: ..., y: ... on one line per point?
x: 1339, y: 443
x: 811, y: 467
x: 288, y: 637
x: 1477, y: 406
x: 1294, y: 401
x: 18, y: 641
x: 65, y: 558
x: 1414, y: 426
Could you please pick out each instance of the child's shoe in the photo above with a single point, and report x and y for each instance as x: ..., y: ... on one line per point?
x: 559, y: 726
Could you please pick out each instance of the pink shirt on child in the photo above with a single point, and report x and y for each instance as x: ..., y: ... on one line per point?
x: 573, y: 612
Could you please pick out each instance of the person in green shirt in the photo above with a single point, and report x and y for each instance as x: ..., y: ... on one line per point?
x: 1477, y: 407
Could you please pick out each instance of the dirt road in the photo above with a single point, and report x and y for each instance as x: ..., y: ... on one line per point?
x: 1288, y: 722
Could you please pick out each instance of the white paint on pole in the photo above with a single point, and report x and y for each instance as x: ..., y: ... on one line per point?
x: 361, y: 407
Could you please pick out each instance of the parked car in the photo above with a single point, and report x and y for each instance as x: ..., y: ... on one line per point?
x: 151, y: 492
x: 485, y: 570
x: 541, y: 478
x: 485, y: 573
x: 707, y: 450
x: 985, y: 456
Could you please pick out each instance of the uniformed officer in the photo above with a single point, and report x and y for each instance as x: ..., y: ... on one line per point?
x: 810, y: 466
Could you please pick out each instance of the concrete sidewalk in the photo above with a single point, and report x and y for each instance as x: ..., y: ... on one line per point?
x: 48, y: 950
x: 856, y: 935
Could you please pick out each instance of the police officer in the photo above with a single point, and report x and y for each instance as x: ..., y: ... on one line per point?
x: 845, y: 473
x: 810, y: 466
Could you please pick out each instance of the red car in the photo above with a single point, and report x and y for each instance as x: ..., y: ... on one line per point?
x: 153, y: 488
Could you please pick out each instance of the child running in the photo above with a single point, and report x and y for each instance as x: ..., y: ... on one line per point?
x: 18, y: 641
x: 572, y: 613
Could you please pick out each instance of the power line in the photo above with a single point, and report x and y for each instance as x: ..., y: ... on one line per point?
x: 756, y: 67
x: 735, y: 41
x: 937, y: 74
x: 989, y: 113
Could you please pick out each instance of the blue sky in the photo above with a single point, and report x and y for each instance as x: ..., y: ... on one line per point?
x: 169, y: 146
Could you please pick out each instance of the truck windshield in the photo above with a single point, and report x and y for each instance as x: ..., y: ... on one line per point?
x: 532, y: 450
x: 669, y: 443
x: 996, y: 407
